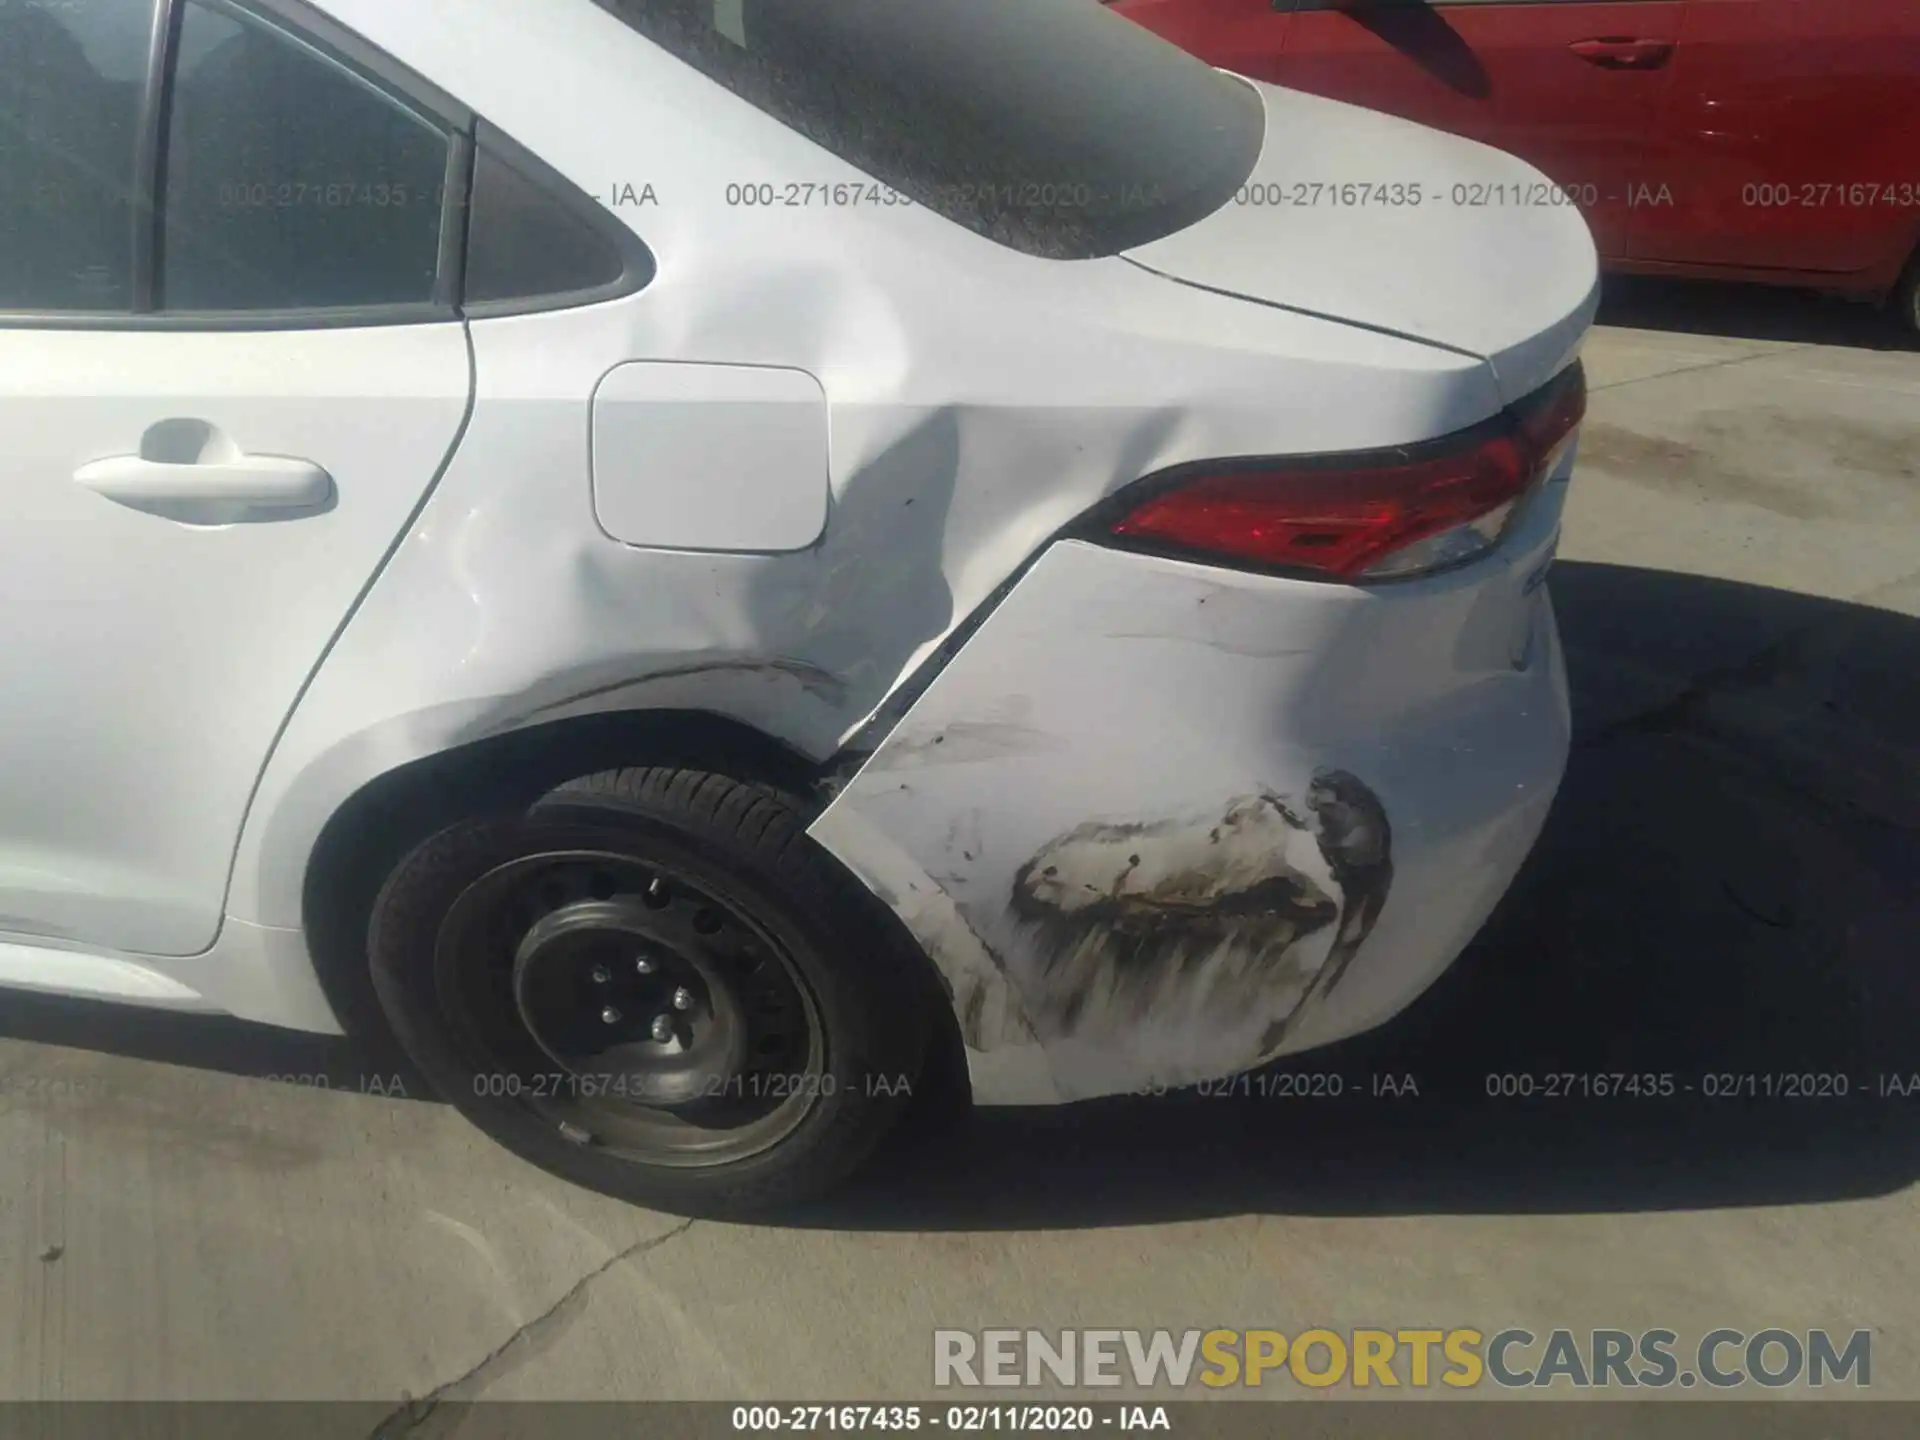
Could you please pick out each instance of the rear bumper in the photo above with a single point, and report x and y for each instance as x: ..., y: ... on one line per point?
x: 1159, y: 823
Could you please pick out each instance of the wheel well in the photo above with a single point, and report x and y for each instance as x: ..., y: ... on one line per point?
x: 385, y: 819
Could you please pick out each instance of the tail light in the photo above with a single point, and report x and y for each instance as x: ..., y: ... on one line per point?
x: 1378, y: 515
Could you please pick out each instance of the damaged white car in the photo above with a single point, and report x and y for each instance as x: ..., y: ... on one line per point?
x: 679, y: 557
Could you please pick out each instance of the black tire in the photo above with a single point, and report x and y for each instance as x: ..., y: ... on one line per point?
x: 796, y: 1014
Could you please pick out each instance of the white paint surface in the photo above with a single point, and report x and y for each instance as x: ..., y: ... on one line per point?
x: 147, y: 662
x: 1486, y: 261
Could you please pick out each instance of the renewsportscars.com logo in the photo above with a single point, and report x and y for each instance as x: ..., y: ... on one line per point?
x: 1411, y: 1359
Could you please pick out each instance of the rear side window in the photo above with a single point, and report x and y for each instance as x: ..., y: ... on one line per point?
x: 291, y: 181
x: 1052, y: 126
x: 72, y: 75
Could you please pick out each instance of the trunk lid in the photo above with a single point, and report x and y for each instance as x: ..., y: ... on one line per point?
x: 1362, y: 217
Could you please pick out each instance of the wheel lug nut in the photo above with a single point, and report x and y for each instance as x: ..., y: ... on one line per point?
x: 600, y: 975
x: 663, y: 1028
x: 610, y: 1016
x: 643, y: 965
x: 683, y: 999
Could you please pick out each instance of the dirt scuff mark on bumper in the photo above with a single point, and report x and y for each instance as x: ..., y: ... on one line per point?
x: 966, y: 742
x: 1356, y: 840
x: 1225, y: 924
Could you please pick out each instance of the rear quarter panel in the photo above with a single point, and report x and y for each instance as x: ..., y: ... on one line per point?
x: 977, y: 399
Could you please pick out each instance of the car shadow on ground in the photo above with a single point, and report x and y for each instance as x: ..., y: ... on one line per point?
x: 1749, y: 312
x: 1725, y: 905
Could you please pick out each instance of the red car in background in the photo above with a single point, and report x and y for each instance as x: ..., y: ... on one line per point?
x: 1761, y: 140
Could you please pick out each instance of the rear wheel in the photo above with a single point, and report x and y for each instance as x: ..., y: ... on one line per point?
x: 654, y: 984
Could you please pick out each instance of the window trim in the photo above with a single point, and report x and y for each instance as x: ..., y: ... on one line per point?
x: 149, y: 156
x: 338, y: 45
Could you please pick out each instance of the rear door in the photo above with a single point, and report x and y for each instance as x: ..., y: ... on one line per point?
x: 223, y: 395
x: 1793, y: 136
x: 1574, y: 87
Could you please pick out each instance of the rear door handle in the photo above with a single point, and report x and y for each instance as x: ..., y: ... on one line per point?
x: 211, y: 492
x: 1612, y: 53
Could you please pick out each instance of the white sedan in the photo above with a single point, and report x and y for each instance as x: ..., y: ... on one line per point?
x: 682, y: 558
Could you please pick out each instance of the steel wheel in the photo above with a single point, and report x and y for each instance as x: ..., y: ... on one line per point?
x: 631, y: 1007
x: 652, y: 982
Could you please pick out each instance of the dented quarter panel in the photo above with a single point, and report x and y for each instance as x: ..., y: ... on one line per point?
x: 507, y: 605
x: 977, y: 401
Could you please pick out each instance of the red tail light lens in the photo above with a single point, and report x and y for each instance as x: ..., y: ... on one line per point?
x: 1371, y: 516
x: 1548, y: 417
x: 1337, y: 521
